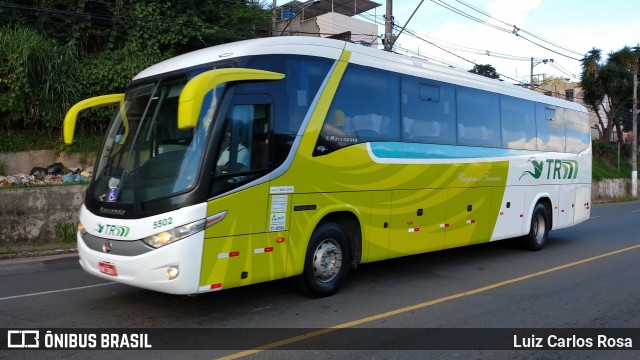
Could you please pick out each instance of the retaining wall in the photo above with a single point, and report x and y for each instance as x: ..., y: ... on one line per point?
x: 23, y: 162
x: 29, y: 215
x: 606, y: 190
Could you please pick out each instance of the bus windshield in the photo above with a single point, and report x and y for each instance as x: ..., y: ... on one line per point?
x: 145, y: 156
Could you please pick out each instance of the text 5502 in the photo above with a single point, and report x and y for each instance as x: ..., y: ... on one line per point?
x: 162, y: 223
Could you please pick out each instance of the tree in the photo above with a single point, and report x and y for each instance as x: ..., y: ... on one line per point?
x: 37, y: 79
x: 554, y: 80
x: 54, y: 53
x: 485, y: 70
x: 607, y: 87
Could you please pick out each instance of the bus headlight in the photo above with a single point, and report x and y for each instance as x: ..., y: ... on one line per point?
x: 81, y: 229
x: 167, y: 237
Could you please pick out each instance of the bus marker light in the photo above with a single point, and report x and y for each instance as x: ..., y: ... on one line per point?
x: 212, y: 287
x: 172, y: 272
x: 501, y: 212
x: 228, y: 254
x: 414, y: 229
x: 444, y: 225
x: 280, y: 240
x: 262, y: 250
x: 471, y: 221
x: 216, y: 218
x: 521, y: 215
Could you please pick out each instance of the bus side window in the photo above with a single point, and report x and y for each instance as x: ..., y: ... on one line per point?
x: 577, y: 131
x: 260, y: 154
x: 245, y: 143
x: 243, y: 152
x: 550, y: 128
x: 518, y: 123
x: 372, y: 115
x: 427, y: 112
x: 478, y: 117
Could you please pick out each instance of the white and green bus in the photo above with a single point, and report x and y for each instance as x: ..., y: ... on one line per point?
x: 303, y: 157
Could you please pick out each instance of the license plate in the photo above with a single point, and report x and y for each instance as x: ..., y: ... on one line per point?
x: 107, y: 268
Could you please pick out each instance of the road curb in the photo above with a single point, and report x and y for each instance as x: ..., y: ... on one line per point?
x: 33, y: 254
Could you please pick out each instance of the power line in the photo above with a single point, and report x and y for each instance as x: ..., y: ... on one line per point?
x: 468, y: 16
x: 510, y: 29
x: 479, y: 51
x: 429, y: 58
x: 442, y: 44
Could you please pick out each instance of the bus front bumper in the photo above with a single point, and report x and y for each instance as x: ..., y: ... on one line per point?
x: 151, y: 270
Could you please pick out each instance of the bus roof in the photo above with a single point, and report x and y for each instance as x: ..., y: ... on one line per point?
x: 362, y: 55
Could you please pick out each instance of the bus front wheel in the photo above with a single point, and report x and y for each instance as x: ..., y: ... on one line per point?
x: 539, y: 230
x: 327, y: 261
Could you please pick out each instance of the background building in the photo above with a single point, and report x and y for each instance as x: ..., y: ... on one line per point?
x: 327, y: 18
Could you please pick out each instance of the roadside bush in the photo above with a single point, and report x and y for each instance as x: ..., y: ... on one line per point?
x: 37, y: 79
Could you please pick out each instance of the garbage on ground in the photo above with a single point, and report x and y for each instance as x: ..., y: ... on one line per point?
x: 38, y: 172
x: 53, y: 174
x: 56, y: 169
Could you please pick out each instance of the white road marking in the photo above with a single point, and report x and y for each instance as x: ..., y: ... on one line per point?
x: 55, y: 291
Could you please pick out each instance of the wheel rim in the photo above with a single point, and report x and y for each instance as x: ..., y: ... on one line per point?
x: 539, y: 228
x: 327, y: 260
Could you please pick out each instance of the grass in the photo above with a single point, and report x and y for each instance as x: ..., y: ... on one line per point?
x: 65, y: 242
x: 32, y: 185
x: 606, y: 168
x: 65, y: 231
x: 18, y: 141
x: 606, y: 163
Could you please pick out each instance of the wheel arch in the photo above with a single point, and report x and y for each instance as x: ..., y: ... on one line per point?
x: 544, y: 199
x: 350, y: 224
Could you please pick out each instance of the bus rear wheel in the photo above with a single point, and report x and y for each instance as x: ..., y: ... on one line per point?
x: 538, y: 231
x: 327, y: 261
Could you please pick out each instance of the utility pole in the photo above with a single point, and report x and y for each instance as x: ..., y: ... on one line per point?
x: 388, y: 27
x: 273, y: 19
x: 543, y: 61
x: 531, y: 77
x: 634, y: 121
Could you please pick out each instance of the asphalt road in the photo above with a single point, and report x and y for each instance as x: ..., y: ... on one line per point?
x: 584, y: 283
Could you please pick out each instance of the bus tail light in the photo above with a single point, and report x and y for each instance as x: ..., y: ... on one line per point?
x: 167, y: 237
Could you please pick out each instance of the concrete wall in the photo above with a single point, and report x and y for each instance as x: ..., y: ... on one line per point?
x: 329, y: 23
x: 29, y: 215
x: 611, y: 189
x: 335, y: 23
x: 23, y: 162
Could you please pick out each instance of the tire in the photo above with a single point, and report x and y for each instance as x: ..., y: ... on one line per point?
x: 327, y: 261
x: 538, y: 231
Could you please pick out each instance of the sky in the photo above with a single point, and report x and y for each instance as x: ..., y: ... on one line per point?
x: 575, y: 25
